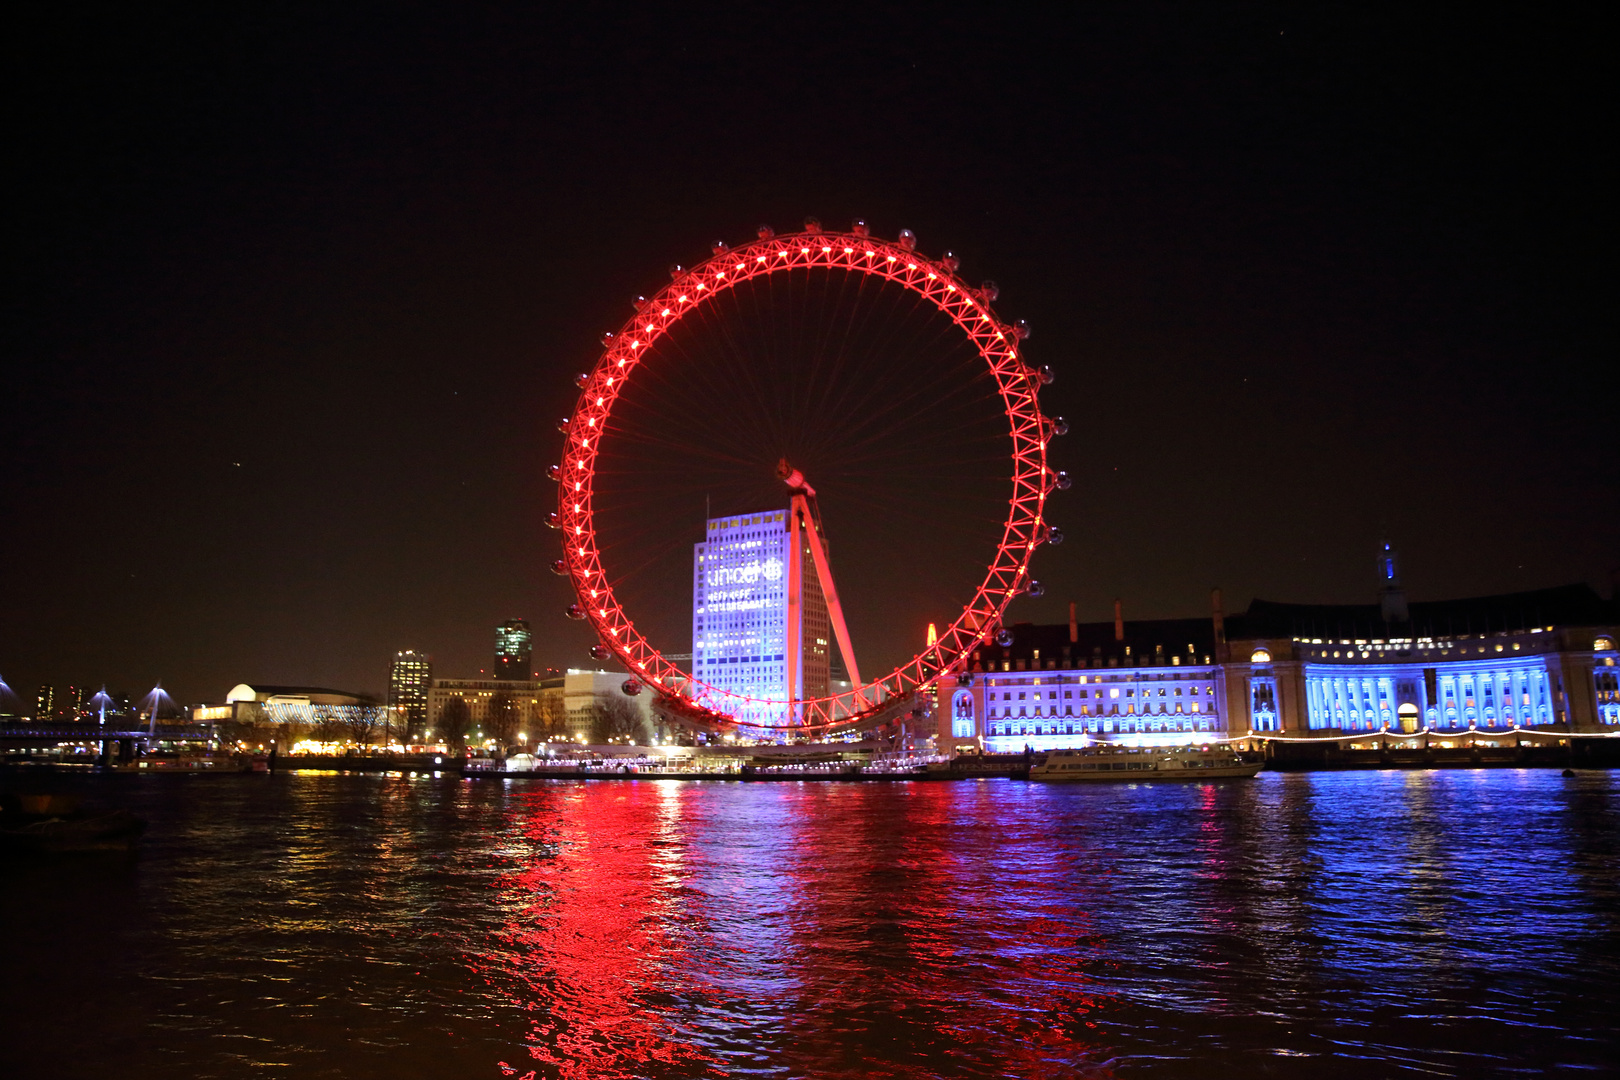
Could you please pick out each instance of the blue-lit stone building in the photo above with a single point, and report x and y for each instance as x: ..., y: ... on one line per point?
x: 742, y: 624
x: 1057, y: 686
x: 1490, y: 666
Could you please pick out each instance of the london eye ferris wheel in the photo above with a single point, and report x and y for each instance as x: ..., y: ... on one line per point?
x: 819, y: 350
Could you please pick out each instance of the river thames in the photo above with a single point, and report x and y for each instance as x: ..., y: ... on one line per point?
x: 1456, y: 923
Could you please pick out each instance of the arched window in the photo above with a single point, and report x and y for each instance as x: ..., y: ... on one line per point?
x: 962, y: 726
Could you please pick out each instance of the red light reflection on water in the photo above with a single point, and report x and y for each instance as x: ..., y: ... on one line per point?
x: 926, y: 944
x: 587, y: 940
x: 835, y: 930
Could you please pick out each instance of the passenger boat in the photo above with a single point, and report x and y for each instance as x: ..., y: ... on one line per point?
x: 1151, y: 763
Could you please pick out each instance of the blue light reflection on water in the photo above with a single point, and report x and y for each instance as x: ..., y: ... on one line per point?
x: 1331, y: 924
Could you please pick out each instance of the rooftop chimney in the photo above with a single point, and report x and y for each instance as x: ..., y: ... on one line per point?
x: 1119, y: 621
x: 1218, y: 615
x: 1074, y: 627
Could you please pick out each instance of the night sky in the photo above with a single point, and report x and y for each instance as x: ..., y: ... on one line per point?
x: 298, y: 295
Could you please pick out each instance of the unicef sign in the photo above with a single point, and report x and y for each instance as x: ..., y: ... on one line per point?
x: 769, y: 571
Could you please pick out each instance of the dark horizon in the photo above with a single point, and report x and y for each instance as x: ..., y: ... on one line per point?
x: 303, y: 293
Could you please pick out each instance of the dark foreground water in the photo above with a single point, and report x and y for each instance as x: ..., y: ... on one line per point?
x: 1323, y: 925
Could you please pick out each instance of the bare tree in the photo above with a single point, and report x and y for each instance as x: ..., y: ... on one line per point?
x: 246, y: 727
x: 503, y: 719
x: 394, y: 724
x: 251, y: 728
x: 363, y: 722
x: 452, y: 724
x: 329, y: 726
x: 614, y: 718
x: 292, y: 730
x: 548, y: 718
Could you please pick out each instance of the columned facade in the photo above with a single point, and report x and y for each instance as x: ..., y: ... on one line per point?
x: 1542, y: 661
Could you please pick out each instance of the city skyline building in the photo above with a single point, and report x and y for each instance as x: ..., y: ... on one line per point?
x: 583, y: 692
x: 408, y: 681
x: 572, y: 696
x: 1478, y: 666
x: 747, y: 621
x: 514, y: 650
x: 297, y: 711
x: 45, y: 703
x: 524, y: 694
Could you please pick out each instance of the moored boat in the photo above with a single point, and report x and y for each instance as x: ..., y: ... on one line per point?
x: 1103, y: 764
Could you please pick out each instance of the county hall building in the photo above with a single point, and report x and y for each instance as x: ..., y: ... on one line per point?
x: 1494, y: 665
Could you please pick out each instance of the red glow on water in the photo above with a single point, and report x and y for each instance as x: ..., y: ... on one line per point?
x: 588, y: 938
x: 653, y: 929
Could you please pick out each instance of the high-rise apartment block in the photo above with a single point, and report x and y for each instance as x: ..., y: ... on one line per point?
x: 408, y: 685
x: 514, y: 650
x: 45, y: 704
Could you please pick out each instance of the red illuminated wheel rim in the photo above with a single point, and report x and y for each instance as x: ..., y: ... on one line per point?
x: 1024, y: 528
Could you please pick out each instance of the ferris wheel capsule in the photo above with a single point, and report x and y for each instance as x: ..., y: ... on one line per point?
x: 676, y: 270
x: 1047, y: 375
x: 719, y: 247
x: 562, y: 425
x: 1004, y: 637
x: 574, y: 611
x: 908, y: 239
x: 861, y: 228
x: 554, y: 520
x: 1035, y: 589
x: 559, y: 568
x: 766, y: 232
x: 1021, y: 328
x: 1060, y: 426
x: 812, y: 225
x: 554, y: 472
x: 581, y: 379
x: 631, y: 687
x: 639, y: 302
x: 950, y: 261
x: 964, y: 678
x: 990, y: 291
x: 601, y: 652
x: 1062, y: 481
x: 1054, y: 535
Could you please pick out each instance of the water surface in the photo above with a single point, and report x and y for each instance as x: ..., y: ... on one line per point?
x: 1456, y: 923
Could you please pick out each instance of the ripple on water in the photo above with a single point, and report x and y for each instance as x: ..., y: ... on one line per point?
x: 1316, y: 925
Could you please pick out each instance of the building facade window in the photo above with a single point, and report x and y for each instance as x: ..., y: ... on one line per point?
x: 962, y: 725
x: 1263, y: 703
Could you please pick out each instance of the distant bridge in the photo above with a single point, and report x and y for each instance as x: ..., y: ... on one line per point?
x: 66, y: 733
